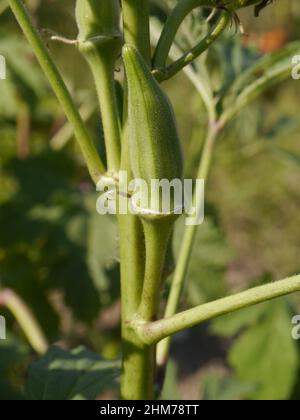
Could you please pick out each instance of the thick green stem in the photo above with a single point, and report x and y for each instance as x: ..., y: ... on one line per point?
x: 103, y: 72
x: 157, y: 235
x: 138, y: 360
x: 135, y: 380
x: 88, y: 148
x: 187, y: 245
x: 153, y: 332
x: 136, y: 26
x: 138, y: 367
x: 25, y: 319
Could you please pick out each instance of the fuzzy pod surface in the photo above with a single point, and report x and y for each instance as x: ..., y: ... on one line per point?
x: 153, y: 135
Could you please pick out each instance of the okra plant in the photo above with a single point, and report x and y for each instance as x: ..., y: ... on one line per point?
x: 143, y: 140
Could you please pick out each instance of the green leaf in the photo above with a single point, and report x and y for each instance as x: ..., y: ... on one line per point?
x: 230, y: 325
x: 13, y: 353
x: 220, y: 388
x: 78, y: 375
x: 267, y: 355
x: 101, y: 255
x: 286, y: 155
x: 254, y: 82
x: 263, y: 66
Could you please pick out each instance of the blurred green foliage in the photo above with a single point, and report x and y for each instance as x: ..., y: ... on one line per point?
x: 62, y: 258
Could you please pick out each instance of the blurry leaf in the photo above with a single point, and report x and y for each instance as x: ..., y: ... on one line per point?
x: 268, y: 64
x: 56, y: 241
x: 220, y: 388
x: 78, y: 375
x: 286, y: 155
x: 209, y: 259
x: 230, y: 325
x: 71, y: 276
x: 267, y: 355
x: 12, y: 354
x: 101, y: 254
x: 20, y: 64
x: 8, y: 99
x: 24, y: 81
x: 264, y: 74
x: 283, y: 127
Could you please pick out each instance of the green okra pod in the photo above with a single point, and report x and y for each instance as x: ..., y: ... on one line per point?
x: 153, y: 135
x: 155, y: 155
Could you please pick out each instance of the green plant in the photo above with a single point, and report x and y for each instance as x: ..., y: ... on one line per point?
x: 143, y: 241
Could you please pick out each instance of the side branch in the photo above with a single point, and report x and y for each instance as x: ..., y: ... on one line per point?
x: 175, y: 19
x: 162, y: 74
x: 53, y: 75
x: 153, y: 332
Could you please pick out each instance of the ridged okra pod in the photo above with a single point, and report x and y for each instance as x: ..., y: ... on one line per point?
x: 100, y: 42
x: 155, y: 155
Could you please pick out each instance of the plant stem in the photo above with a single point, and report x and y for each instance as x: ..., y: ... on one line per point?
x: 187, y: 244
x: 153, y: 332
x: 175, y: 19
x: 199, y: 83
x: 136, y: 26
x: 95, y: 166
x: 190, y: 56
x: 138, y: 361
x: 103, y: 72
x: 25, y: 319
x: 157, y: 235
x: 138, y: 367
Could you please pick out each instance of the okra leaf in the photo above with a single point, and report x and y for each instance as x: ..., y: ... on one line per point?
x: 222, y: 388
x: 260, y: 66
x: 267, y: 355
x: 264, y: 74
x: 101, y: 256
x: 13, y: 354
x: 230, y: 325
x: 76, y: 375
x: 21, y: 70
x: 286, y: 155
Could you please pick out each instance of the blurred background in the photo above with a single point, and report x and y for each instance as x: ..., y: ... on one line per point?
x: 61, y: 258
